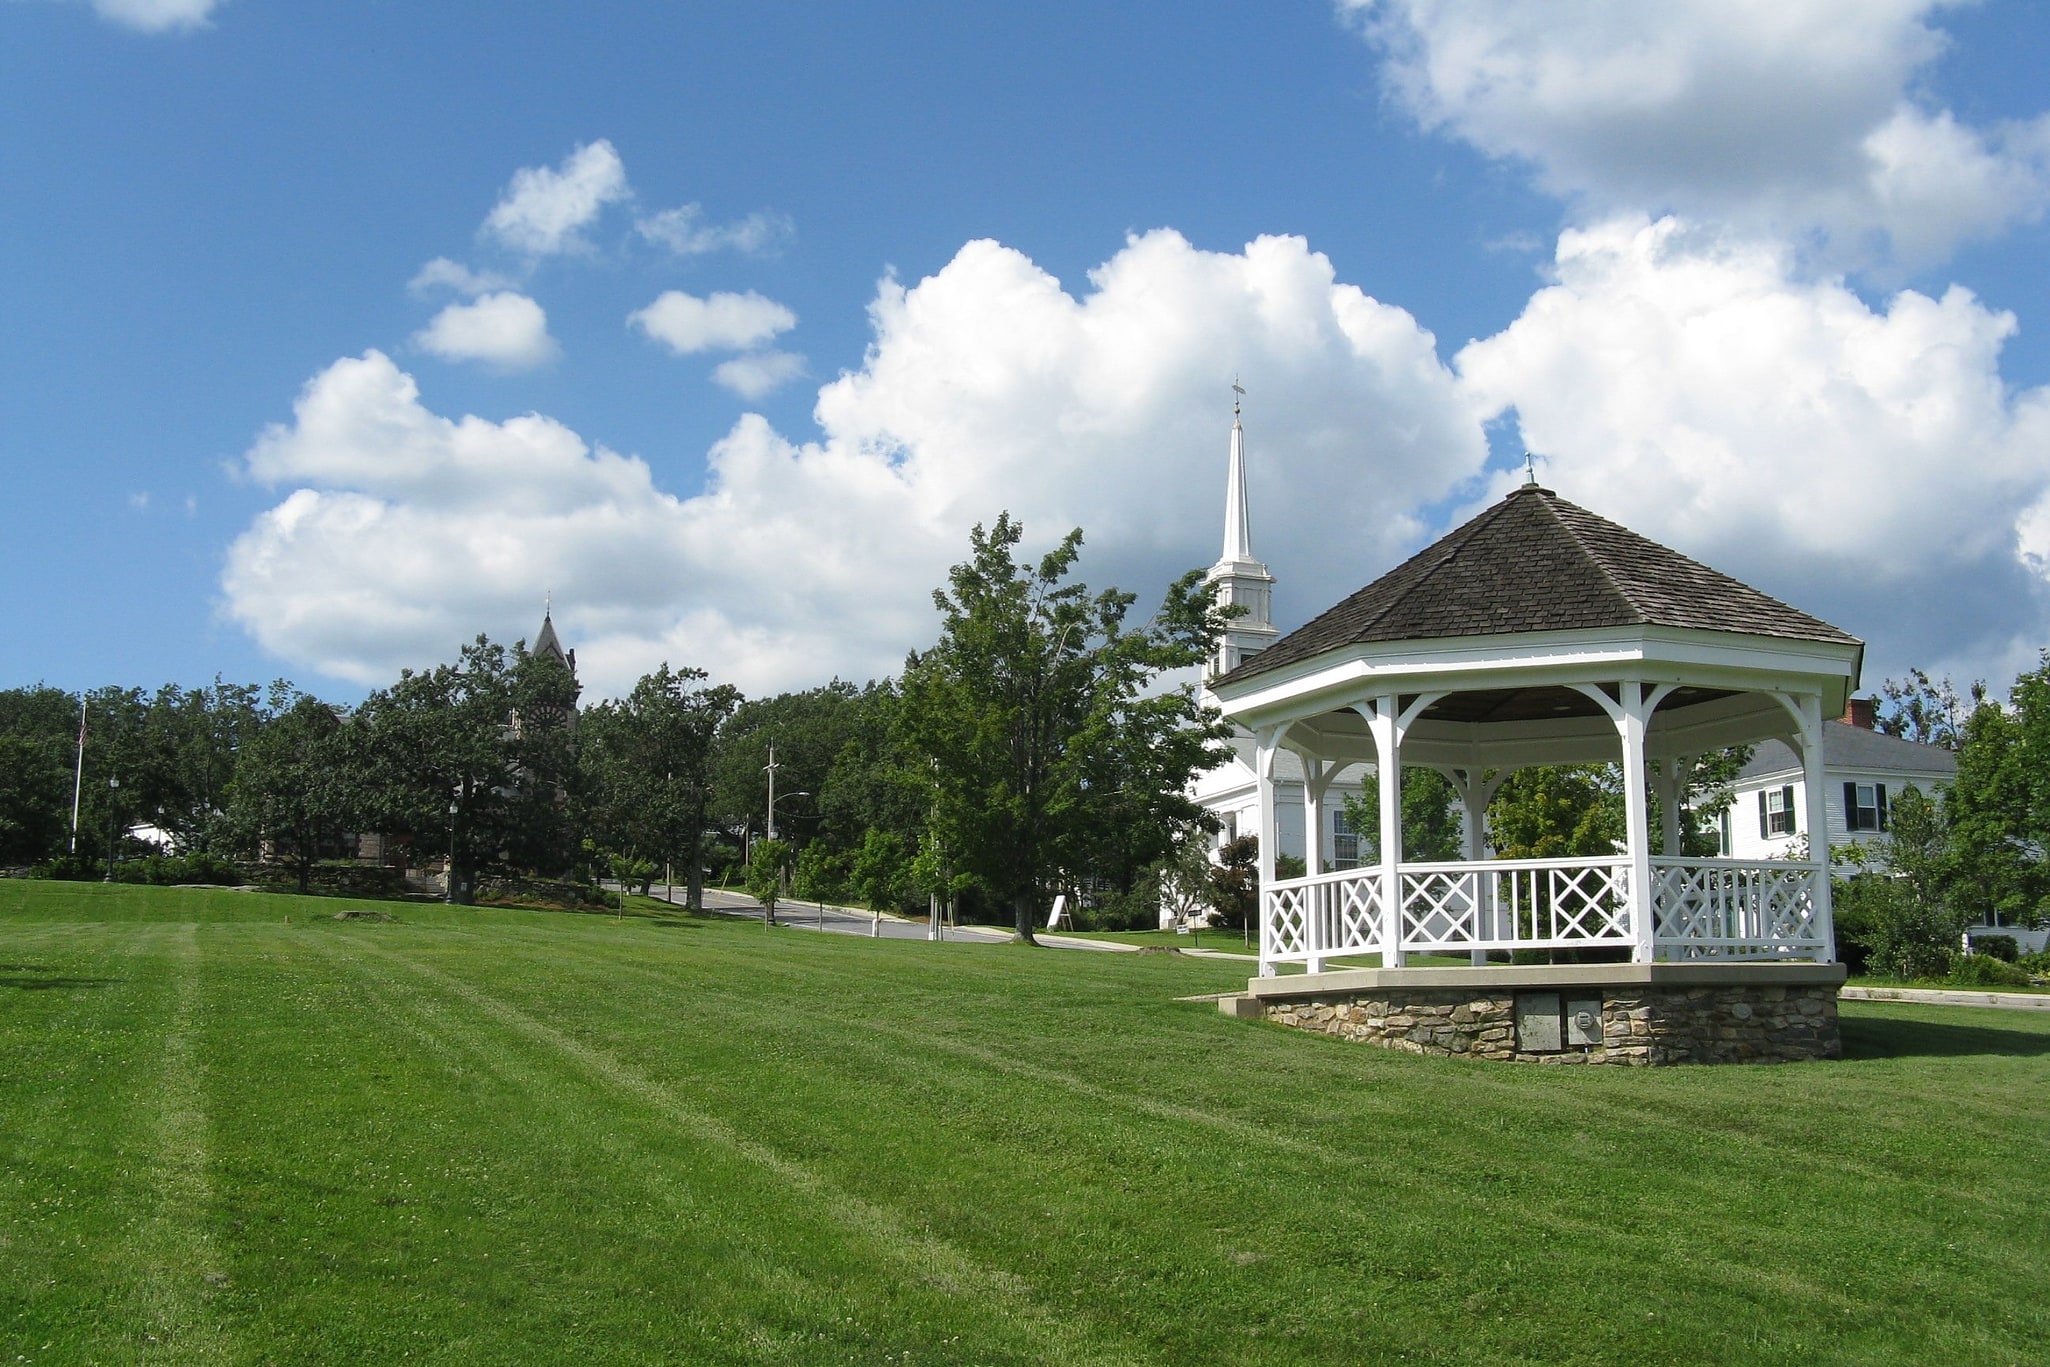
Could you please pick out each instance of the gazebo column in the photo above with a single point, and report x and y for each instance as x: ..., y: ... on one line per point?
x: 1316, y: 779
x: 1474, y: 796
x: 1266, y: 745
x: 1384, y: 721
x: 1671, y: 784
x: 1631, y: 720
x: 1818, y: 823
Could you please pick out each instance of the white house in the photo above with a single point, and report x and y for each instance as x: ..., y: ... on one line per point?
x: 1863, y: 772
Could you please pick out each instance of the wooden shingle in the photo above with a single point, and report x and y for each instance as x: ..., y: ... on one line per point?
x: 1535, y: 562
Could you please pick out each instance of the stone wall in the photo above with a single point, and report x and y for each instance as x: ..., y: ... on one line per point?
x: 1639, y: 1023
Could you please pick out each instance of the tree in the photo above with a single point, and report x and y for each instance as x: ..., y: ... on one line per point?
x: 820, y: 874
x: 1927, y: 711
x: 1185, y: 879
x: 1551, y: 811
x: 1998, y: 807
x: 473, y: 759
x: 647, y: 762
x: 291, y: 788
x: 1430, y: 817
x: 1038, y: 722
x: 38, y: 728
x: 765, y: 866
x: 1235, y: 882
x: 880, y: 874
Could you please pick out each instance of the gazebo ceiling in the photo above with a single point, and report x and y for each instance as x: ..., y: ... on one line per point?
x: 1543, y: 703
x: 1535, y: 563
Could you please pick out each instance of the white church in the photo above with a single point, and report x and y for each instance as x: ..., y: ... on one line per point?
x: 1229, y: 790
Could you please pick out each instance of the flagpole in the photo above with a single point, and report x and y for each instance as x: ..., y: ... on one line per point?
x: 78, y: 777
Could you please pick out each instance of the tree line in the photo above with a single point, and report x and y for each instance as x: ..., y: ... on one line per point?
x: 1032, y: 748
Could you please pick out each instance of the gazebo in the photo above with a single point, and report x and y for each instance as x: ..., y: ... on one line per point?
x: 1540, y: 633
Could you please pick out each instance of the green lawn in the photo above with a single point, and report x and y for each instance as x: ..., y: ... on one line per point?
x: 522, y: 1137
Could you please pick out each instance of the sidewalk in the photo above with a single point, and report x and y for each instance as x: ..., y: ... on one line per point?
x: 1936, y: 996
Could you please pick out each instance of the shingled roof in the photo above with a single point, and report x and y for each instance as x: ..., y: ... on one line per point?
x: 1535, y: 562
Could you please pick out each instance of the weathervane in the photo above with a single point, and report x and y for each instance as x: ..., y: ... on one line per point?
x: 1529, y: 470
x: 1237, y: 394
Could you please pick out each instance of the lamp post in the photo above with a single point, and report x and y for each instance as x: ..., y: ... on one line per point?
x: 113, y: 798
x: 453, y: 808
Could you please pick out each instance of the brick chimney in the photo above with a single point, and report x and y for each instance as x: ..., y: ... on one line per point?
x: 1861, y: 712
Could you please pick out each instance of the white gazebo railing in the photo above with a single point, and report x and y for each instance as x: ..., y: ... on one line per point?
x: 1702, y: 908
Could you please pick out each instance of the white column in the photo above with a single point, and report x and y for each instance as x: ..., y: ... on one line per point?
x: 1264, y: 744
x: 1637, y: 821
x: 1388, y: 769
x: 1818, y: 823
x: 1314, y: 938
x: 1473, y: 831
x: 1670, y: 785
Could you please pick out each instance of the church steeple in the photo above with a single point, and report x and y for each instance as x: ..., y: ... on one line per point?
x: 1240, y: 578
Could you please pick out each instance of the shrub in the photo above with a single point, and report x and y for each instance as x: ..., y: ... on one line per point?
x: 2002, y: 947
x: 1983, y: 970
x: 2039, y: 962
x: 1899, y: 934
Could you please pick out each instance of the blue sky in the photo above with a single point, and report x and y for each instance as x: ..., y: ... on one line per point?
x: 744, y: 314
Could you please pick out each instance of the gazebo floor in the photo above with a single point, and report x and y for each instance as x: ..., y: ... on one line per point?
x: 1631, y: 1013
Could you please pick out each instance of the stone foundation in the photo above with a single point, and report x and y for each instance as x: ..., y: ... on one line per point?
x: 1636, y: 1014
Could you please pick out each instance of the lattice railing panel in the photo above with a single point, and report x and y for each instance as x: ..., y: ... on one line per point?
x: 1286, y: 919
x: 1724, y: 908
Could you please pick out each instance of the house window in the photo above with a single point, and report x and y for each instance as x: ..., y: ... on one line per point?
x: 1864, y: 806
x: 1776, y: 812
x: 1345, y: 842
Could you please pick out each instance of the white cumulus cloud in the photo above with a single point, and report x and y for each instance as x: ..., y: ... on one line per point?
x: 505, y: 330
x: 1866, y: 464
x: 544, y: 211
x: 721, y: 322
x: 759, y: 373
x: 1790, y: 116
x: 988, y: 386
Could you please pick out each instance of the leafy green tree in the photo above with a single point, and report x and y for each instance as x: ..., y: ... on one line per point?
x: 648, y: 774
x: 1430, y: 817
x: 1998, y: 807
x: 473, y: 759
x: 1040, y: 723
x: 766, y: 865
x: 38, y: 729
x: 881, y: 875
x: 291, y: 792
x: 1235, y: 882
x: 809, y: 729
x: 1927, y: 711
x: 1548, y: 811
x: 820, y: 874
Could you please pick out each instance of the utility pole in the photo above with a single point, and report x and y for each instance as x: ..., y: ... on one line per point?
x: 770, y: 769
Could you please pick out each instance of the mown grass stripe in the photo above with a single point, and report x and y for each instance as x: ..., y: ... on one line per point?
x: 932, y: 1260
x: 176, y: 1261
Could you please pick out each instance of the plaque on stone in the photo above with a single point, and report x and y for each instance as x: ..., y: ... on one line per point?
x: 1537, y: 1022
x: 1584, y: 1022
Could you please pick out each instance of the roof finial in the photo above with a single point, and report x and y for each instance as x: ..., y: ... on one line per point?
x: 1237, y: 393
x: 1529, y: 471
x: 547, y: 605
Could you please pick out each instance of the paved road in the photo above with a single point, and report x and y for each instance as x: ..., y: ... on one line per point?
x: 853, y: 921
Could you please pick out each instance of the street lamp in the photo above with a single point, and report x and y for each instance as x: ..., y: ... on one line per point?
x: 453, y: 808
x: 113, y: 797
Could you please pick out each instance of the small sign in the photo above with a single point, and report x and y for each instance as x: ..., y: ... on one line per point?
x: 1537, y: 1022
